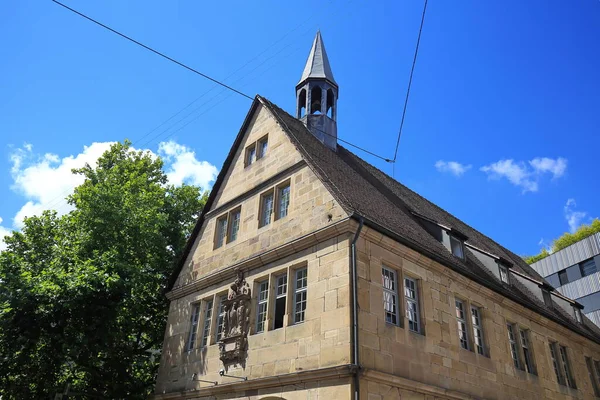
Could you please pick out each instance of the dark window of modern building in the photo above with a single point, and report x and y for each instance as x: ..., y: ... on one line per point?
x: 590, y: 302
x: 588, y: 267
x: 562, y: 277
x: 553, y: 280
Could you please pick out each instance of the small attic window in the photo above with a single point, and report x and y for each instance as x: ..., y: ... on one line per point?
x: 547, y: 297
x: 577, y: 313
x: 503, y: 273
x: 456, y: 245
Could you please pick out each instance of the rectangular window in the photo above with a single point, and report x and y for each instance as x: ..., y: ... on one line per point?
x: 588, y: 267
x: 280, y: 295
x: 411, y: 294
x: 220, y: 319
x: 390, y: 296
x: 300, y: 295
x: 221, y: 231
x: 528, y: 357
x: 207, y: 322
x: 261, y: 310
x: 266, y: 209
x: 250, y: 154
x: 597, y: 368
x: 593, y: 379
x: 283, y: 200
x: 462, y: 324
x: 564, y: 357
x: 562, y: 277
x: 262, y: 148
x: 457, y: 247
x: 194, y: 326
x: 234, y: 224
x: 503, y: 273
x: 555, y: 363
x: 514, y: 350
x: 477, y: 330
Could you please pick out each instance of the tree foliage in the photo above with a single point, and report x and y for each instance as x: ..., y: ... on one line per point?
x: 566, y: 239
x: 82, y: 295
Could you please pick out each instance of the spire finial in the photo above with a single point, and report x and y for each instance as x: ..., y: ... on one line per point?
x: 317, y: 64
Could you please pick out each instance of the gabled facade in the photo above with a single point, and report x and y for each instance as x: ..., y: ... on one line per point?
x: 311, y: 274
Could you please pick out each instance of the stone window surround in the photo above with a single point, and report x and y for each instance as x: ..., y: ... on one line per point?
x: 214, y: 300
x: 275, y: 192
x: 194, y: 324
x: 227, y: 216
x: 401, y: 274
x: 468, y: 306
x: 258, y: 154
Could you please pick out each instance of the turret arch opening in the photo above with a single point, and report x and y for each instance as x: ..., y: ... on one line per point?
x: 315, y: 100
x: 330, y: 103
x: 302, y: 103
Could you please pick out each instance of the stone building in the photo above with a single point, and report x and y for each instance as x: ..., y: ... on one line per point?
x: 313, y: 275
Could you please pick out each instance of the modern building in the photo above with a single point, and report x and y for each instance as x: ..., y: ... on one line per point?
x: 574, y: 272
x: 311, y: 274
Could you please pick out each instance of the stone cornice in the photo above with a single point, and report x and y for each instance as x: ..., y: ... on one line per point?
x: 414, y: 386
x: 345, y: 225
x: 240, y: 387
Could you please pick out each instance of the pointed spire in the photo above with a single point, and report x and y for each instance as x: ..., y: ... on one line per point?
x: 317, y: 65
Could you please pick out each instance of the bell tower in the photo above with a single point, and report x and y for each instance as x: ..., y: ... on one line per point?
x: 317, y: 94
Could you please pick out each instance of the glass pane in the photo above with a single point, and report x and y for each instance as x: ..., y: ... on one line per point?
x: 284, y: 201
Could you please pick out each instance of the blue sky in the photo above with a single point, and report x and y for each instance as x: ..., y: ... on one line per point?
x: 502, y: 124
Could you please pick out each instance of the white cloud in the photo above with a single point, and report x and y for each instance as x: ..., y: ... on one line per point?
x: 544, y: 164
x: 184, y: 167
x: 453, y: 167
x: 526, y: 176
x: 516, y: 173
x: 574, y: 218
x: 45, y: 180
x: 3, y: 232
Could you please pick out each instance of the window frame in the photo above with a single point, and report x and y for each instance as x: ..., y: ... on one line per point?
x: 284, y: 276
x: 194, y: 322
x: 456, y: 241
x: 413, y: 325
x: 461, y: 319
x: 394, y: 295
x: 563, y: 273
x: 588, y: 261
x: 478, y: 331
x: 303, y: 292
x: 260, y: 151
x: 220, y: 318
x: 556, y: 363
x: 503, y: 271
x: 260, y: 303
x: 526, y: 348
x: 250, y: 155
x: 513, y: 345
x: 225, y: 236
x: 262, y: 222
x: 207, y: 323
x: 566, y: 363
x: 590, y: 363
x: 277, y: 199
x: 230, y: 224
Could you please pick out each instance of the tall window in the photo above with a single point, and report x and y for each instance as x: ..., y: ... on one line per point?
x: 503, y: 273
x: 207, y: 322
x: 457, y: 247
x: 411, y: 294
x: 564, y: 357
x: 234, y: 224
x: 527, y: 356
x: 283, y: 200
x: 588, y: 267
x: 280, y: 295
x: 593, y: 378
x: 300, y: 295
x: 562, y: 277
x: 250, y: 154
x: 261, y: 310
x: 228, y: 226
x: 462, y: 324
x: 477, y: 330
x: 556, y: 363
x: 390, y: 295
x: 262, y: 147
x: 194, y: 326
x: 220, y: 318
x: 266, y: 209
x: 597, y: 369
x: 512, y: 340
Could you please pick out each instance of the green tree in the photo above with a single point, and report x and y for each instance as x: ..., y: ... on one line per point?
x: 82, y: 296
x: 566, y: 239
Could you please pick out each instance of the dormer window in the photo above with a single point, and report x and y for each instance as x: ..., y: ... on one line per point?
x: 503, y: 273
x: 577, y: 313
x: 456, y: 246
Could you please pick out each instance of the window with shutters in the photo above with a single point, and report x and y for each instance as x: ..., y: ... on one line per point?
x: 588, y: 267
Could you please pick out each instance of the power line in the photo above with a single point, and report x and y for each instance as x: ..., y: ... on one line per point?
x: 154, y: 51
x: 412, y: 70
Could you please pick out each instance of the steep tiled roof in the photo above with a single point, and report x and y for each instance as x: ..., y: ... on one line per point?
x: 388, y: 206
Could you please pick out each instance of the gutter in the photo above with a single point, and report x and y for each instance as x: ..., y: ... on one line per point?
x: 355, y: 364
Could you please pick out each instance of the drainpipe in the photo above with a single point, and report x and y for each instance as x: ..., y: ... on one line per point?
x: 353, y: 267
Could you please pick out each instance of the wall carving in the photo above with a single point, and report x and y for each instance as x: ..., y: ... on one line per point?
x: 233, y: 345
